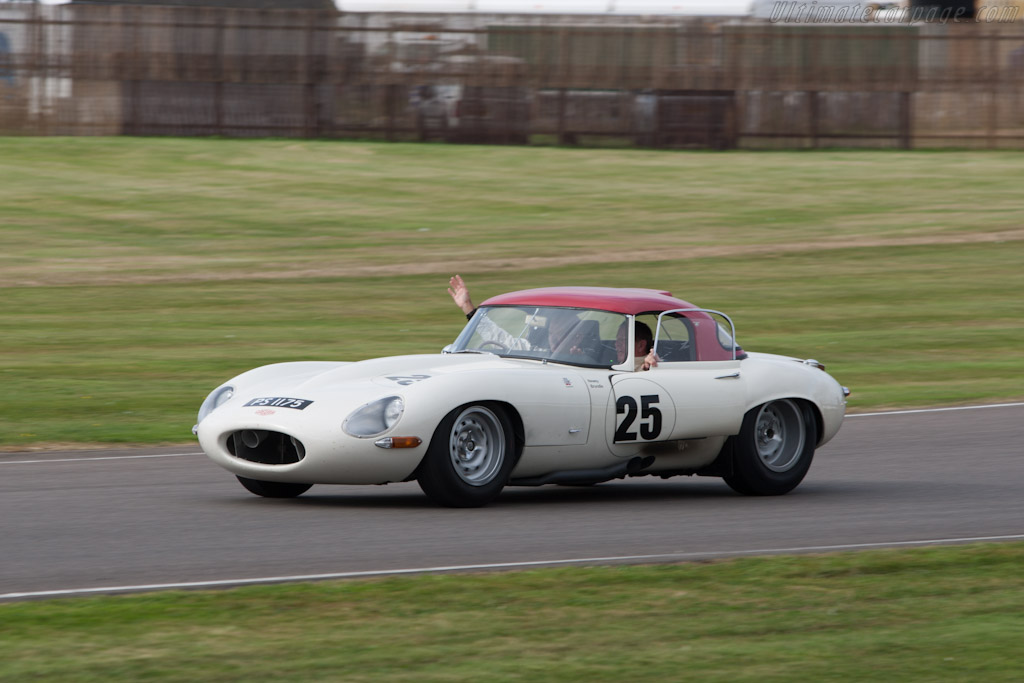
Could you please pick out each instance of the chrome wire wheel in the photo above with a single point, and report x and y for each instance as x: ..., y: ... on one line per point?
x: 470, y: 457
x: 779, y: 435
x: 476, y: 445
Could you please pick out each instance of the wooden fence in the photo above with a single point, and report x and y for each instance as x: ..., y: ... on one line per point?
x: 140, y: 70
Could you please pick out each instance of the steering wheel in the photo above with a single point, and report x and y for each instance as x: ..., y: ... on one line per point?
x: 501, y: 347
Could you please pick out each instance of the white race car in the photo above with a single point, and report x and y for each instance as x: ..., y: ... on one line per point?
x: 541, y: 387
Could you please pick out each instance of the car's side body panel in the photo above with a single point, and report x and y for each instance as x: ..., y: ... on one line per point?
x: 708, y: 397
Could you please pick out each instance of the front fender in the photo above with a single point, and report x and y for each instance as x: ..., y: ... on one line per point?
x: 553, y: 405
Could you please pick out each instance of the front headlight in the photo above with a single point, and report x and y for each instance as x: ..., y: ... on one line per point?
x: 374, y: 418
x: 216, y: 399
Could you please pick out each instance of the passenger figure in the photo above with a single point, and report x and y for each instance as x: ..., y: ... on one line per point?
x: 644, y: 357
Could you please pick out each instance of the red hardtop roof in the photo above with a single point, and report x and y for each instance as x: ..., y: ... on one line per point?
x: 630, y: 301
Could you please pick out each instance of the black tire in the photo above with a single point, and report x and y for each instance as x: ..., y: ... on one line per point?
x: 774, y: 448
x: 470, y: 457
x: 273, y: 489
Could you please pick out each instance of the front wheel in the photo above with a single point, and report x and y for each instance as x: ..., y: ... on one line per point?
x: 273, y: 489
x: 774, y: 448
x: 470, y: 457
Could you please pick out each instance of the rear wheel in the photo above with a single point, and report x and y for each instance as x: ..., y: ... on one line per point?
x: 774, y: 449
x: 470, y: 457
x: 274, y: 489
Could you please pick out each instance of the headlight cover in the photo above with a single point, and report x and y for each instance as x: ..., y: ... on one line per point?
x: 216, y: 399
x: 374, y: 418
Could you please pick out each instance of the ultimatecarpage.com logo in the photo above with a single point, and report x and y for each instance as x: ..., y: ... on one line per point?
x: 792, y: 12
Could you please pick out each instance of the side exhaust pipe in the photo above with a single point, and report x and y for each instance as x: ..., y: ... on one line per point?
x: 594, y: 476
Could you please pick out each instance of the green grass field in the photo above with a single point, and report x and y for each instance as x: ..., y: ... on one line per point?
x: 138, y: 274
x: 930, y: 614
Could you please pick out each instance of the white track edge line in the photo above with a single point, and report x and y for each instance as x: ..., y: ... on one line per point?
x: 224, y: 583
x: 105, y: 457
x: 936, y: 410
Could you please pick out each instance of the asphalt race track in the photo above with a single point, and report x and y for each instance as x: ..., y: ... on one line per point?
x: 81, y: 522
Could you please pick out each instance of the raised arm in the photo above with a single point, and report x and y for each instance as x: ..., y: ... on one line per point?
x: 460, y: 294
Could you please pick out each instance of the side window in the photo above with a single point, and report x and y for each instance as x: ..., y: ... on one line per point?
x: 675, y: 340
x: 597, y: 332
x: 650, y: 320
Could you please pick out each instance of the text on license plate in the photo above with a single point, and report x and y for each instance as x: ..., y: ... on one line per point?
x: 279, y: 402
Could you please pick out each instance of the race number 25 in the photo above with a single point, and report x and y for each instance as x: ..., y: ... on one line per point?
x: 648, y: 430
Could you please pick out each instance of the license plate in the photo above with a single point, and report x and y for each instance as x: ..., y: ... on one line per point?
x: 279, y: 402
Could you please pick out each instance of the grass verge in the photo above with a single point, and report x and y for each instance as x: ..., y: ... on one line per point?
x: 138, y: 274
x: 943, y: 613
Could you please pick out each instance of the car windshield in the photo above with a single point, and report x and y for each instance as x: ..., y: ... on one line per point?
x: 576, y: 336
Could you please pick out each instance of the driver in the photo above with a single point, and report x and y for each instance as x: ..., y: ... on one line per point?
x: 559, y: 326
x: 559, y: 329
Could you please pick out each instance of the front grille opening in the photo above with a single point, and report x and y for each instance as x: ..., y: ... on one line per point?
x: 268, y: 448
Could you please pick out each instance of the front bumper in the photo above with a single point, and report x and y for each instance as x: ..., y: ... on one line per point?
x: 300, y: 452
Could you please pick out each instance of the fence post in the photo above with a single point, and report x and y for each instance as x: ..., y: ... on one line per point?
x: 218, y: 84
x: 563, y: 137
x: 993, y: 113
x: 906, y: 120
x: 35, y: 94
x: 310, y: 115
x: 812, y: 110
x: 390, y: 104
x: 330, y: 77
x: 134, y: 123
